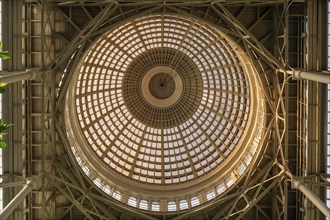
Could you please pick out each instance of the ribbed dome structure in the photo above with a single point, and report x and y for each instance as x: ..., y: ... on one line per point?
x: 164, y: 113
x: 142, y: 87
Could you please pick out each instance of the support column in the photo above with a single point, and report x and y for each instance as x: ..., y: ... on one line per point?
x: 17, y: 200
x: 17, y: 76
x: 316, y: 147
x: 317, y: 76
x: 12, y: 100
x: 297, y: 184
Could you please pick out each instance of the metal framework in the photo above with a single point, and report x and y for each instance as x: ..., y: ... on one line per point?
x: 272, y: 33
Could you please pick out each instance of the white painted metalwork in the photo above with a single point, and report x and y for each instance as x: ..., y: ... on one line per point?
x: 18, y: 199
x: 297, y: 184
x: 318, y: 76
x: 17, y: 76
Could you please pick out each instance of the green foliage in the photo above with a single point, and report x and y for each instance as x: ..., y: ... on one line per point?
x: 3, y: 128
x: 3, y: 144
x: 2, y: 87
x: 4, y: 54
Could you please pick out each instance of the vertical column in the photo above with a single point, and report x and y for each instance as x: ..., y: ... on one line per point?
x: 46, y: 142
x: 318, y: 76
x: 286, y: 102
x: 297, y: 184
x: 17, y: 200
x: 17, y: 76
x: 277, y: 31
x: 316, y: 139
x: 12, y: 99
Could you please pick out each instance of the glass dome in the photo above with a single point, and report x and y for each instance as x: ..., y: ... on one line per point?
x: 164, y: 113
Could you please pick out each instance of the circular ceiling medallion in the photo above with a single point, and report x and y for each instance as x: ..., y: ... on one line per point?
x: 164, y: 113
x: 140, y: 91
x: 158, y: 81
x: 162, y: 86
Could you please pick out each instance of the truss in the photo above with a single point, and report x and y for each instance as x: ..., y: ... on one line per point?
x: 67, y: 30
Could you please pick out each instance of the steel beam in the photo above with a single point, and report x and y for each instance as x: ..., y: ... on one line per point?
x: 246, y: 35
x: 259, y: 197
x: 72, y: 200
x: 70, y: 188
x: 85, y: 33
x: 286, y: 104
x: 168, y: 2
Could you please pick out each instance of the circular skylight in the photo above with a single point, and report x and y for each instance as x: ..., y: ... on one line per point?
x: 141, y: 93
x: 162, y: 86
x: 164, y: 111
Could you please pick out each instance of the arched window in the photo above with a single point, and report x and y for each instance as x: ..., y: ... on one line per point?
x: 143, y: 204
x: 183, y: 205
x: 210, y: 195
x: 116, y: 195
x: 171, y: 206
x: 132, y: 201
x: 155, y: 207
x: 194, y: 201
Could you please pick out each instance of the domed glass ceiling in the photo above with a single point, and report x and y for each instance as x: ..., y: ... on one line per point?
x: 164, y: 113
